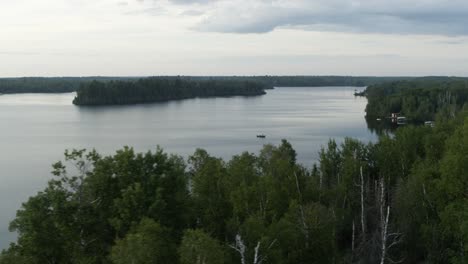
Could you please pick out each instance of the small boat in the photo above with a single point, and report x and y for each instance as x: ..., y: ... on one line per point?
x: 401, y: 120
x: 378, y: 119
x: 261, y: 136
x: 357, y: 93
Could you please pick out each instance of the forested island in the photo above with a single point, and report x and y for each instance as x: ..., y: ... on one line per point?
x: 149, y: 90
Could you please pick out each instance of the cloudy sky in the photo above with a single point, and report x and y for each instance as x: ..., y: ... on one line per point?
x: 233, y: 37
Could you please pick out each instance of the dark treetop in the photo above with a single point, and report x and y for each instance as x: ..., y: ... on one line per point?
x: 150, y: 90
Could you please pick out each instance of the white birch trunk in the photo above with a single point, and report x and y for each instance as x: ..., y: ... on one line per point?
x: 321, y: 180
x: 384, y: 218
x: 257, y: 255
x: 352, y: 241
x: 384, y: 236
x: 239, y: 247
x: 363, y: 224
x: 301, y: 208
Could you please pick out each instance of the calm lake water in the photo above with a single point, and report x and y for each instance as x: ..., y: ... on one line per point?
x: 35, y: 130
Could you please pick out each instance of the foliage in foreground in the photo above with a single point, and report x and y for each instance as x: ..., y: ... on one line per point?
x: 403, y: 198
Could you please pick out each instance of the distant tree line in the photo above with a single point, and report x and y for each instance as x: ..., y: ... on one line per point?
x: 297, y: 81
x: 71, y: 84
x: 419, y: 99
x: 47, y: 85
x: 400, y: 200
x: 150, y: 90
x: 316, y: 81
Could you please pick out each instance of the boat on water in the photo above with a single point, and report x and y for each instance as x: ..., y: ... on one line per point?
x: 401, y: 120
x: 357, y: 93
x: 261, y: 136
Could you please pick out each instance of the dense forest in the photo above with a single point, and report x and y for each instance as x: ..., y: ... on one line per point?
x: 71, y: 84
x: 305, y: 81
x: 419, y: 100
x: 402, y: 199
x: 47, y: 85
x: 150, y: 90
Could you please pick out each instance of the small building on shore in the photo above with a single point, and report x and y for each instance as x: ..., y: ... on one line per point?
x: 398, y: 119
x: 429, y: 123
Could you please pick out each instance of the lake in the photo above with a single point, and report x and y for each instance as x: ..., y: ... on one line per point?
x: 37, y: 128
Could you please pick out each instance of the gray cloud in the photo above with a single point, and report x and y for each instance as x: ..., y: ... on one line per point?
x: 192, y: 12
x: 439, y: 17
x: 185, y: 2
x: 152, y: 11
x: 453, y: 41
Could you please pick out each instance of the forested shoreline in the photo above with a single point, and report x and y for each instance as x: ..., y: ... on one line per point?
x: 419, y: 100
x: 48, y: 84
x: 402, y: 199
x: 167, y: 88
x: 149, y: 90
x: 303, y: 80
x: 72, y: 84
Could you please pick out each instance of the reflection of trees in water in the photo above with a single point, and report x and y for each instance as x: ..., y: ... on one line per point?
x: 387, y: 126
x: 381, y: 127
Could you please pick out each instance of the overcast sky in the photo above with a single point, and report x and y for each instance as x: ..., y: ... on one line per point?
x: 233, y: 37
